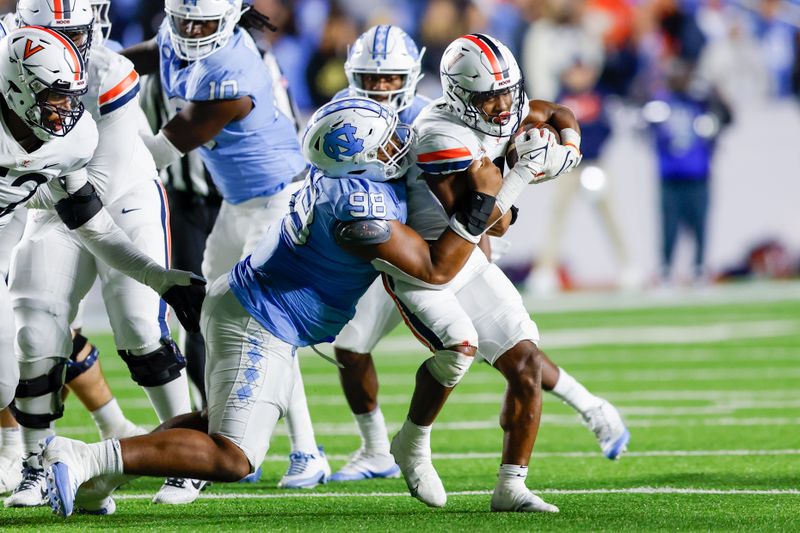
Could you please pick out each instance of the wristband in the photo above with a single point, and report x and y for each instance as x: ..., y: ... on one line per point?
x: 513, y: 184
x: 478, y: 210
x: 514, y: 214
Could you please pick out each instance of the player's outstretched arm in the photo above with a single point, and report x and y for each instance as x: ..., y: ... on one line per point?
x: 82, y: 211
x: 195, y: 125
x: 401, y: 248
x: 144, y: 56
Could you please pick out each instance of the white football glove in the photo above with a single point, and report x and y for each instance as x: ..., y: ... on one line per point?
x: 563, y: 157
x: 533, y: 147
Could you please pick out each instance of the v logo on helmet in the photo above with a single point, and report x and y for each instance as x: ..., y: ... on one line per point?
x: 31, y: 50
x: 342, y: 142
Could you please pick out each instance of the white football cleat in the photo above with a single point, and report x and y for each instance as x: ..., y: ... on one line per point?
x: 10, y: 468
x: 421, y: 477
x: 31, y: 491
x: 519, y: 500
x: 179, y: 491
x: 306, y: 470
x: 64, y: 460
x: 607, y: 425
x: 365, y: 465
x: 94, y: 496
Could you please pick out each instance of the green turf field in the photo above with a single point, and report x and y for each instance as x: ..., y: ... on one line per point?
x: 711, y: 394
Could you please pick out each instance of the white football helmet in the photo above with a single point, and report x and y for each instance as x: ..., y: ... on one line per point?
x: 37, y: 67
x: 358, y: 138
x: 225, y: 13
x: 102, y: 20
x: 385, y: 50
x: 74, y: 18
x: 478, y: 65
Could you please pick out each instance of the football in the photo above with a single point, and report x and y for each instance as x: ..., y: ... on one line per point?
x: 511, y: 151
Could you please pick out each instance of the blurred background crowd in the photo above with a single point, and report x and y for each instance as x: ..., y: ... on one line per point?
x: 689, y: 111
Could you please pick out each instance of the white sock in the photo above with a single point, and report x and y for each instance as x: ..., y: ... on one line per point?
x: 574, y: 394
x: 107, y: 457
x: 298, y: 418
x: 108, y: 417
x: 32, y: 437
x: 11, y: 438
x: 512, y: 475
x: 374, y: 435
x: 170, y: 399
x: 418, y: 437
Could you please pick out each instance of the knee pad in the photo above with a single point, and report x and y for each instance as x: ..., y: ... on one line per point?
x: 40, y: 334
x: 38, y: 399
x: 74, y: 367
x: 448, y: 366
x: 155, y: 368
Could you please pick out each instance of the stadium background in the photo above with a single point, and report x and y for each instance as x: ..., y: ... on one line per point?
x: 746, y: 52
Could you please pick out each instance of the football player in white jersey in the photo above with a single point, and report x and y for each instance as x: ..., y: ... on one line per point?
x: 128, y: 184
x: 483, y: 106
x: 46, y: 142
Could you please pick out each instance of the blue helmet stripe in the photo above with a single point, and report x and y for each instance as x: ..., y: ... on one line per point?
x: 380, y: 41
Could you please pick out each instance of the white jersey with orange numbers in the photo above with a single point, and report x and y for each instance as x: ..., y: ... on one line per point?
x: 444, y: 145
x: 59, y: 163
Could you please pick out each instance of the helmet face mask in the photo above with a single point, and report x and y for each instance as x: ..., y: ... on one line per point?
x: 358, y: 138
x: 73, y: 18
x: 385, y: 51
x: 58, y: 112
x: 477, y: 68
x: 215, y: 19
x: 102, y: 20
x: 42, y: 77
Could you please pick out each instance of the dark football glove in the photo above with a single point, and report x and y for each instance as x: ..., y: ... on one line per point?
x: 186, y: 301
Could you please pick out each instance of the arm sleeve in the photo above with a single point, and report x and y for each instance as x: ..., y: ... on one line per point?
x: 104, y: 239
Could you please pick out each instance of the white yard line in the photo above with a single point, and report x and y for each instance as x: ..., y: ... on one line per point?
x: 575, y: 338
x: 630, y: 490
x: 349, y: 428
x: 721, y: 400
x: 468, y: 456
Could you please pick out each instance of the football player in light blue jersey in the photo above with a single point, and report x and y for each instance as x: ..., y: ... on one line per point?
x: 383, y: 64
x: 298, y: 288
x: 225, y: 108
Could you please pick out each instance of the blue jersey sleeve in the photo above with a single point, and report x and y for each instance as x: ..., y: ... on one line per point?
x: 231, y: 72
x: 364, y: 200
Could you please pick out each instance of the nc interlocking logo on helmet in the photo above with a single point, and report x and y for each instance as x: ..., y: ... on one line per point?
x: 42, y: 76
x: 478, y: 65
x: 385, y: 50
x: 342, y: 142
x: 357, y: 138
